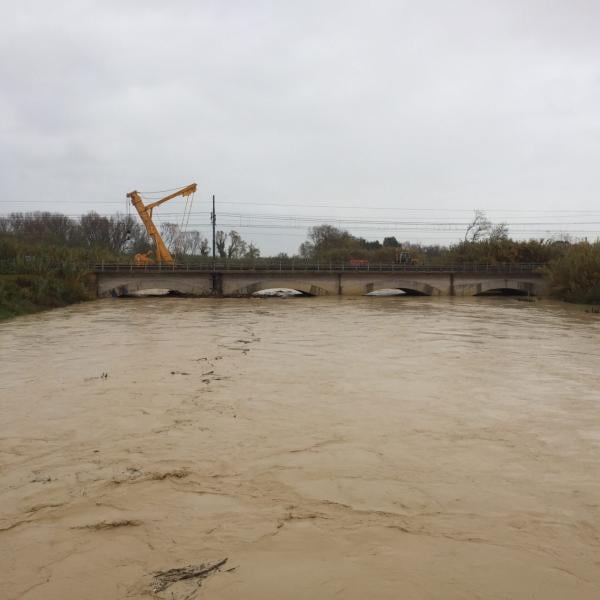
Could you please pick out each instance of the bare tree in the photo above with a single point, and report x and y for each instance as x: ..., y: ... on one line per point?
x: 479, y: 228
x: 195, y: 243
x: 252, y: 251
x: 498, y: 232
x: 183, y: 243
x: 126, y: 233
x: 204, y: 248
x: 220, y: 241
x: 237, y: 246
x: 231, y: 245
x: 44, y: 227
x: 170, y: 232
x: 94, y: 230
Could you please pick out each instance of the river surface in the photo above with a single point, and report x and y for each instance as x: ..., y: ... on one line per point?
x: 352, y: 448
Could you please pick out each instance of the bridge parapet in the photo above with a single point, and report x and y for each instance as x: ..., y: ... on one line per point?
x: 293, y: 266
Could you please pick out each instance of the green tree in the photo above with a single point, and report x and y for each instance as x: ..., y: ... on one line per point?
x: 575, y: 276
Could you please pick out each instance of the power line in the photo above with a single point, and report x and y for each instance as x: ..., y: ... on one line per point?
x: 347, y: 207
x: 294, y: 221
x: 408, y: 209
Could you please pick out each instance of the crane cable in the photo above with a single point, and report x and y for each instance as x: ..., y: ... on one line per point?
x: 184, y: 214
x: 187, y: 212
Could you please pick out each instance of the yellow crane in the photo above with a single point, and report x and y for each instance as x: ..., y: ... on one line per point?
x: 145, y: 211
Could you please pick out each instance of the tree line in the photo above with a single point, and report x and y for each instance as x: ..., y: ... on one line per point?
x: 97, y: 236
x: 483, y: 242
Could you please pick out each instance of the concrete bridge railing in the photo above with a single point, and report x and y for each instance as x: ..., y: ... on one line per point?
x: 317, y: 267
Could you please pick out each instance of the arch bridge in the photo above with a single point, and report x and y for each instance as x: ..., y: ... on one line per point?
x: 237, y: 279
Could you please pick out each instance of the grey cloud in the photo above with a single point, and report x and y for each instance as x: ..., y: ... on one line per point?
x: 402, y: 104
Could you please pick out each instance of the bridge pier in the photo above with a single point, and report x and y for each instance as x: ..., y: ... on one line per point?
x: 217, y: 284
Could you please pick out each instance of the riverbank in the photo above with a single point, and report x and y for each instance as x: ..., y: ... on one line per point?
x: 31, y: 293
x: 575, y: 277
x: 369, y: 448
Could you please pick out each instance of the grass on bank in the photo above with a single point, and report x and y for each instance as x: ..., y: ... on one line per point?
x: 30, y: 293
x: 38, y: 275
x: 575, y: 277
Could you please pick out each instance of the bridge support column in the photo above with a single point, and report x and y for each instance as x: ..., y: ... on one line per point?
x: 339, y: 284
x: 217, y: 284
x: 451, y: 291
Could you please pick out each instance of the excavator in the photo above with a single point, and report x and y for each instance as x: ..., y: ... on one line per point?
x: 145, y: 211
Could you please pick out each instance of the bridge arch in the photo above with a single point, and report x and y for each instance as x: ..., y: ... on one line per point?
x: 499, y: 287
x: 165, y: 287
x: 123, y: 285
x: 347, y: 283
x: 409, y: 287
x: 305, y: 287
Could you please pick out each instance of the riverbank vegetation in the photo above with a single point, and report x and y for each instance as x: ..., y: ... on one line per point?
x: 330, y: 244
x: 29, y: 293
x: 45, y: 257
x: 575, y: 276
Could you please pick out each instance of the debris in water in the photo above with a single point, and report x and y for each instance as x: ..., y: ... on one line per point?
x: 163, y: 579
x: 110, y: 524
x: 174, y: 474
x: 103, y: 375
x: 133, y: 474
x: 41, y: 479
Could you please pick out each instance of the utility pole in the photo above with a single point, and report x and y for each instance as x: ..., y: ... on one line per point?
x: 217, y: 279
x: 213, y: 218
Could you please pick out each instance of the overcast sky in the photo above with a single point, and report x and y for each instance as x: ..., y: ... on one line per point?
x: 304, y: 107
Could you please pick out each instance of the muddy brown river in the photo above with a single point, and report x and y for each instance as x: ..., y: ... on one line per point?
x: 351, y: 448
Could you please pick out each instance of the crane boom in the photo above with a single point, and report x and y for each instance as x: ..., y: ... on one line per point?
x: 145, y: 211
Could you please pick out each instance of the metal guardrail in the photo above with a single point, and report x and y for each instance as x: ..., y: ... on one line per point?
x: 330, y: 267
x: 289, y: 265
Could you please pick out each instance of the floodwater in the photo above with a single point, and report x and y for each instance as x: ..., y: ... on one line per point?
x: 353, y: 448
